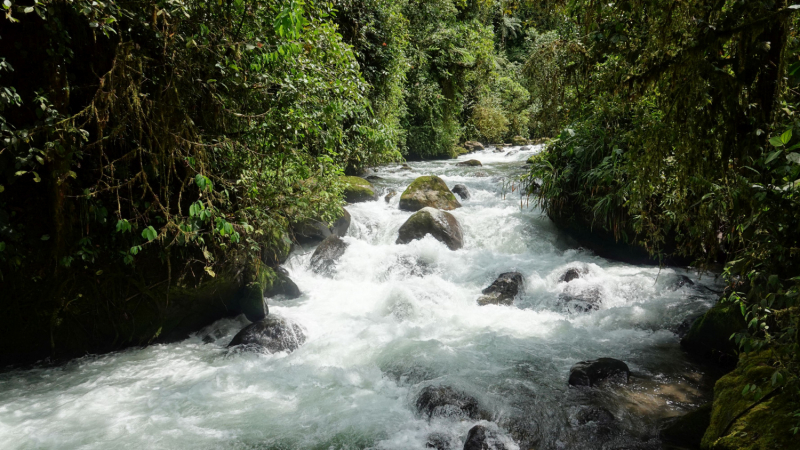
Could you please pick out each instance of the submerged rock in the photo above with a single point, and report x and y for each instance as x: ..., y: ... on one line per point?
x: 439, y: 224
x: 444, y: 401
x: 479, y: 174
x: 462, y: 191
x: 482, y: 438
x: 406, y: 167
x: 357, y: 190
x: 503, y: 290
x: 681, y: 281
x: 470, y: 163
x: 709, y: 336
x: 314, y: 230
x: 439, y: 441
x: 273, y: 334
x: 428, y: 191
x: 327, y: 254
x: 284, y: 286
x: 390, y: 195
x: 589, y: 373
x: 582, y: 302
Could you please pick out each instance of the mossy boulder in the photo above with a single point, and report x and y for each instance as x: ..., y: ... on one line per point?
x: 470, y: 163
x: 428, y: 191
x: 687, y: 431
x: 439, y: 224
x: 357, y: 190
x: 709, y: 338
x: 284, y: 286
x: 740, y: 422
x: 460, y: 151
x: 519, y: 140
x: 315, y: 230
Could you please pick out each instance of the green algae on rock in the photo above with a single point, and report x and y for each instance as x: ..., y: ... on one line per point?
x: 740, y: 422
x: 357, y: 190
x: 428, y: 191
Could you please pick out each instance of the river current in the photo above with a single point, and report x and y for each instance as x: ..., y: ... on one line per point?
x: 392, y: 320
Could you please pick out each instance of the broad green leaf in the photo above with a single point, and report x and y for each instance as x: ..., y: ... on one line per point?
x: 2, y: 246
x: 123, y: 226
x: 786, y: 137
x: 2, y: 188
x: 772, y: 156
x: 149, y: 233
x: 776, y: 142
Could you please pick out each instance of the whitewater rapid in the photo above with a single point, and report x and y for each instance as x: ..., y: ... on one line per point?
x: 392, y: 320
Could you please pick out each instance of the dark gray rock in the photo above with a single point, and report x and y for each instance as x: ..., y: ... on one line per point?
x: 327, y: 254
x: 573, y: 273
x: 406, y: 167
x: 439, y: 224
x: 503, y: 290
x: 373, y: 178
x: 272, y: 334
x: 444, y: 401
x: 313, y: 230
x: 461, y: 190
x: 482, y: 438
x: 284, y: 286
x: 589, y: 373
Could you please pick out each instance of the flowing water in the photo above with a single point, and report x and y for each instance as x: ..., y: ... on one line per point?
x: 392, y: 320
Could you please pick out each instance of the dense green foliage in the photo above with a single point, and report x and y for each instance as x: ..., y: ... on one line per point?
x: 681, y: 137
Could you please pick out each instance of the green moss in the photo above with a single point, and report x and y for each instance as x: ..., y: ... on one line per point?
x: 428, y: 191
x: 460, y: 151
x: 357, y: 190
x: 710, y: 335
x: 739, y: 422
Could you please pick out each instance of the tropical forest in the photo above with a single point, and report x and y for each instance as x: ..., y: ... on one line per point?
x: 400, y: 224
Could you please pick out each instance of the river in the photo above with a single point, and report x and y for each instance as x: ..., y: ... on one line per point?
x: 391, y: 321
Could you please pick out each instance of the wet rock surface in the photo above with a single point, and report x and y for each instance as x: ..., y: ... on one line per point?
x: 442, y: 225
x: 483, y: 438
x: 503, y: 290
x: 444, y: 401
x: 583, y: 301
x: 283, y: 286
x: 461, y: 191
x: 357, y: 190
x: 272, y: 334
x: 428, y: 191
x: 589, y: 373
x: 326, y: 255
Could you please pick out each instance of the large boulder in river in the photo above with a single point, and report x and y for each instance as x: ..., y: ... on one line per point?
x: 589, y: 373
x: 428, y: 191
x: 327, y: 254
x: 462, y: 191
x: 357, y: 190
x: 709, y: 338
x: 314, y: 230
x: 519, y: 141
x: 503, y: 290
x: 272, y: 334
x: 470, y: 163
x: 473, y: 146
x: 439, y: 224
x: 444, y: 401
x: 482, y: 438
x: 283, y: 286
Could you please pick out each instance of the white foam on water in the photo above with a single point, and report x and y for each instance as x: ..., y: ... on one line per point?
x: 392, y: 319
